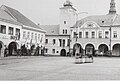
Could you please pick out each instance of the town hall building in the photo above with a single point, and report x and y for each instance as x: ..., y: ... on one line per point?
x: 98, y: 34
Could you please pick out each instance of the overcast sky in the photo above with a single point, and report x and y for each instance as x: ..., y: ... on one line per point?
x: 47, y: 11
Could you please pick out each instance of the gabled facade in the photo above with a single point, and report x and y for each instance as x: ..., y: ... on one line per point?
x: 28, y: 32
x: 9, y: 32
x: 98, y: 34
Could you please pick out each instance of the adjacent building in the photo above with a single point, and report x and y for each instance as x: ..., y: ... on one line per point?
x: 98, y: 34
x: 58, y: 36
x: 17, y: 30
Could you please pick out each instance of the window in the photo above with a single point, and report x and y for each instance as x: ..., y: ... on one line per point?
x: 80, y: 34
x: 115, y: 34
x: 64, y: 22
x: 53, y: 51
x: 68, y: 42
x: 24, y: 34
x: 18, y: 33
x: 28, y: 35
x: 75, y: 35
x: 46, y: 50
x: 66, y: 31
x: 63, y: 43
x: 3, y: 29
x: 36, y: 36
x: 63, y: 31
x: 54, y: 41
x: 57, y: 52
x: 106, y: 34
x: 102, y: 21
x: 86, y: 34
x: 60, y: 40
x: 41, y: 40
x: 93, y: 34
x: 100, y: 34
x: 32, y: 36
x: 10, y: 32
x: 46, y: 41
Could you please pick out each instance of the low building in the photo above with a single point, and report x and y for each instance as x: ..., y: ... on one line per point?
x: 55, y: 44
x: 58, y: 36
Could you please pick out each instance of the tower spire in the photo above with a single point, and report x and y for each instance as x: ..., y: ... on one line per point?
x: 112, y: 7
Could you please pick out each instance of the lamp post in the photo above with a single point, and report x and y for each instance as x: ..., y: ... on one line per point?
x: 77, y: 28
x: 110, y: 40
x: 112, y: 21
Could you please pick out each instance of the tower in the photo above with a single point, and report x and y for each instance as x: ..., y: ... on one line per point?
x: 112, y: 7
x: 67, y: 18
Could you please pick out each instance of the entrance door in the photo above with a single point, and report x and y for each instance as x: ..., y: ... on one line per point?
x: 63, y: 52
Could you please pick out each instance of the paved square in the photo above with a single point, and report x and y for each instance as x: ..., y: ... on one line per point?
x: 60, y: 68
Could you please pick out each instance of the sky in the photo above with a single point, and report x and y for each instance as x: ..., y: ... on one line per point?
x: 46, y: 12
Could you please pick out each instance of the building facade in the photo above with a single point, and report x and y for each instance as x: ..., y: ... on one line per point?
x: 17, y: 30
x: 55, y: 44
x: 98, y: 34
x: 58, y: 36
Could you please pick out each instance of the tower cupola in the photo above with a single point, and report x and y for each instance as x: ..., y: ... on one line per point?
x: 112, y: 7
x: 67, y: 3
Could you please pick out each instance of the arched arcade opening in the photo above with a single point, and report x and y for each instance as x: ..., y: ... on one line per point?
x: 77, y: 46
x: 1, y: 46
x: 116, y: 50
x: 12, y: 47
x: 90, y: 49
x: 103, y: 49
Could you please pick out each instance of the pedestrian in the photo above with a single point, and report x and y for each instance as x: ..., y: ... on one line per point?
x: 6, y: 51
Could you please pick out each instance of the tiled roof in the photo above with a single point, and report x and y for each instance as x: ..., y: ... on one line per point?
x: 7, y: 18
x: 51, y: 29
x: 20, y: 17
x: 68, y: 7
x: 101, y: 20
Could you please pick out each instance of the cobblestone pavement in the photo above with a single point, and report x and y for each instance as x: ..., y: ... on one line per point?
x: 59, y: 68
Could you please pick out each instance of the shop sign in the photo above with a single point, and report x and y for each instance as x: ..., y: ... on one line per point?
x: 12, y: 37
x: 4, y: 37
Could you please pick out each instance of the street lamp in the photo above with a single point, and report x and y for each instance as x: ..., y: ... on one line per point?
x: 77, y: 14
x: 112, y: 21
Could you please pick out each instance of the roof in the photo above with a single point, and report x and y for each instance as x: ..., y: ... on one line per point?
x: 101, y: 20
x: 20, y: 17
x: 68, y: 7
x: 7, y: 18
x: 51, y: 29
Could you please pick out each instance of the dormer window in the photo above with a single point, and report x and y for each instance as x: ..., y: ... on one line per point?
x: 103, y: 21
x: 65, y: 22
x: 90, y: 25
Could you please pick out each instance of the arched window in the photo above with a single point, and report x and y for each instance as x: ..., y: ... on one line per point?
x: 63, y: 31
x: 66, y: 31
